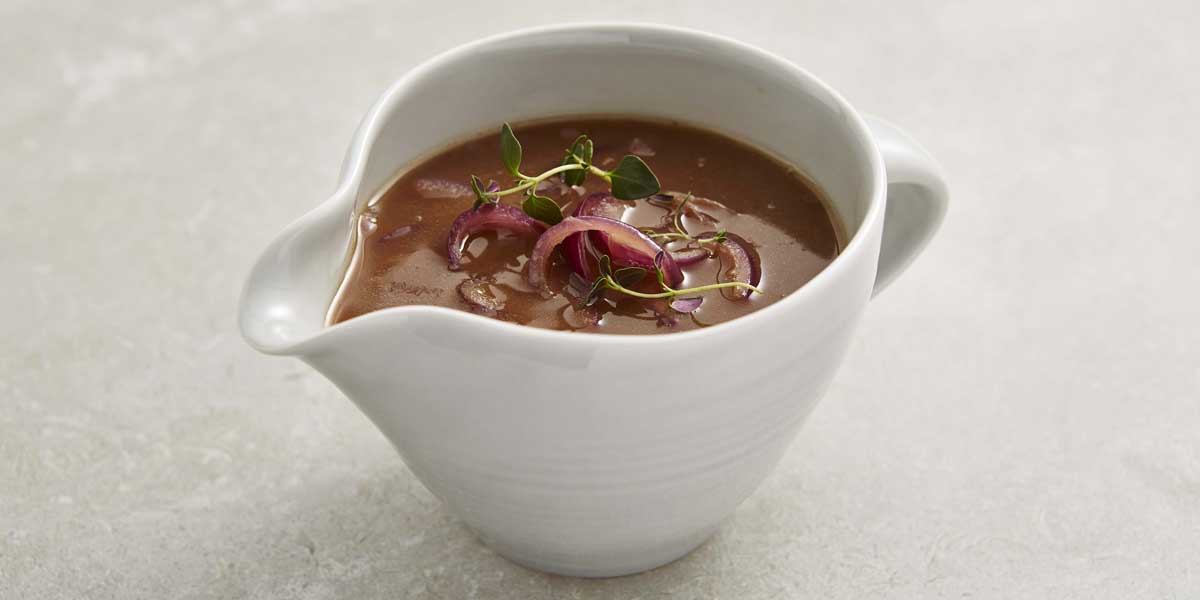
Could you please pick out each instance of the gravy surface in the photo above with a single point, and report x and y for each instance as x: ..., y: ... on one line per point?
x: 400, y: 254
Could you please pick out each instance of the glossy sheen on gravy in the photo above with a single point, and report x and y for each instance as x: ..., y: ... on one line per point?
x: 400, y: 254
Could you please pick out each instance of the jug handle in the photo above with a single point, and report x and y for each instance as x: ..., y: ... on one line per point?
x: 916, y: 200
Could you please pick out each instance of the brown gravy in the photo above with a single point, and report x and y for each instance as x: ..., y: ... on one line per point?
x: 400, y: 256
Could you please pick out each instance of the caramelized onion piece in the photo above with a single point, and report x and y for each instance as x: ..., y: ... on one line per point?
x: 744, y: 264
x: 580, y: 318
x: 640, y: 148
x: 699, y: 208
x: 633, y: 245
x: 664, y: 315
x: 477, y: 293
x: 399, y: 232
x: 666, y: 318
x: 442, y: 188
x: 554, y: 185
x: 488, y: 217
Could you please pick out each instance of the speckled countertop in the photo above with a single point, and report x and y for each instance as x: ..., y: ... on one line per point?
x: 1019, y: 418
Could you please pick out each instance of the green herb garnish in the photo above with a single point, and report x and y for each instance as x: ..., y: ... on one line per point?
x: 542, y: 208
x: 680, y: 233
x: 631, y: 180
x: 510, y: 150
x: 623, y: 279
x: 580, y: 152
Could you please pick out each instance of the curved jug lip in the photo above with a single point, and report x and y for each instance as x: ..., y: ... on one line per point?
x: 337, y: 205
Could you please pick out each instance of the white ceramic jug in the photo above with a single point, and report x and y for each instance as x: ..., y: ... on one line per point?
x: 593, y: 454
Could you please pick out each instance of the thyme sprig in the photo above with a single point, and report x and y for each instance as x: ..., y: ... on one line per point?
x: 621, y: 280
x: 680, y: 232
x: 632, y: 179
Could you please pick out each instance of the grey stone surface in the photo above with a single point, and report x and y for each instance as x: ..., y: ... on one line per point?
x: 1019, y: 418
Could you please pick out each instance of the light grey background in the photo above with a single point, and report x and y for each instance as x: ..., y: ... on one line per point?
x: 1018, y: 418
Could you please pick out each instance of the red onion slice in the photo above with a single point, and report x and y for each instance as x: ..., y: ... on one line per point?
x: 488, y: 217
x: 686, y: 305
x: 575, y: 248
x: 745, y: 265
x: 689, y: 256
x: 602, y: 204
x: 633, y: 244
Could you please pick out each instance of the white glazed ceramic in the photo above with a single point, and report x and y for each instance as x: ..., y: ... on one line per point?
x: 592, y: 454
